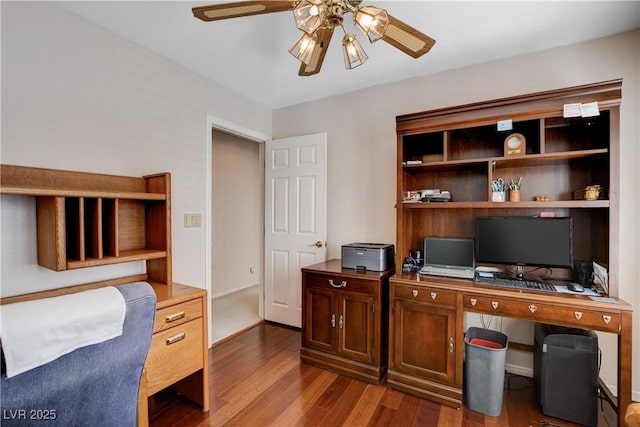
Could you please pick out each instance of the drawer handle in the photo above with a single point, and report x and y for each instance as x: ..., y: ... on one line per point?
x: 494, y: 304
x: 532, y: 308
x: 174, y: 339
x: 606, y: 318
x: 433, y: 295
x: 578, y: 315
x: 474, y: 301
x: 173, y: 317
x: 341, y: 285
x: 414, y: 292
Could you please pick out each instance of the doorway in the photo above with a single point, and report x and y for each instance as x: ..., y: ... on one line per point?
x: 236, y: 234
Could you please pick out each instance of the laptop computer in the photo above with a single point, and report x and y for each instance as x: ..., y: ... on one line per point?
x: 449, y: 257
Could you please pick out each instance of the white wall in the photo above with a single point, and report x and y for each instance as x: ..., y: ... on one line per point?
x: 77, y: 97
x: 237, y: 214
x: 362, y: 150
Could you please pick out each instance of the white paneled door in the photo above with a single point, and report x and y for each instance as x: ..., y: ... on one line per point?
x: 295, y: 220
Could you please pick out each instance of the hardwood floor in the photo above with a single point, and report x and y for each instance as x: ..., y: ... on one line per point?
x: 257, y: 379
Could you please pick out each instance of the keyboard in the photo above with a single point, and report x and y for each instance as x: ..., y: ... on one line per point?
x: 514, y: 284
x: 450, y: 272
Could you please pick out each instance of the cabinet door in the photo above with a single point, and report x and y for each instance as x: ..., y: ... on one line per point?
x: 321, y: 319
x: 356, y: 327
x: 423, y: 341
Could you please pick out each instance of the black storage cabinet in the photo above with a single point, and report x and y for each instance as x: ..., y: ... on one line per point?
x: 565, y: 366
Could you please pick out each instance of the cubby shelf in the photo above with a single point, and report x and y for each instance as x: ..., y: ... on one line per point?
x: 522, y: 161
x: 24, y: 191
x: 125, y: 256
x: 87, y: 220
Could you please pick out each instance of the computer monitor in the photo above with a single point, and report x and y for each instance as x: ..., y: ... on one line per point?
x: 446, y: 252
x: 520, y: 241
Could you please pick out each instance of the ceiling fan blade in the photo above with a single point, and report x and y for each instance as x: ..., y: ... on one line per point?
x: 216, y: 12
x: 407, y: 39
x: 324, y: 35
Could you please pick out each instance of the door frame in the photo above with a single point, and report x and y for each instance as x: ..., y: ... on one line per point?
x: 217, y: 123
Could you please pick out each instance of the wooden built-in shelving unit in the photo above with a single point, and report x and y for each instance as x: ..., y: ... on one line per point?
x: 461, y: 150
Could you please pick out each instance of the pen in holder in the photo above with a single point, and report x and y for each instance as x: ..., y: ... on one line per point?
x: 498, y: 190
x: 514, y: 190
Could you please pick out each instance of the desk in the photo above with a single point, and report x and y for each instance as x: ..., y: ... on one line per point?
x: 426, y: 316
x: 178, y: 356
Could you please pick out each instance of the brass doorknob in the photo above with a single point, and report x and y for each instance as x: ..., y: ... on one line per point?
x: 318, y: 244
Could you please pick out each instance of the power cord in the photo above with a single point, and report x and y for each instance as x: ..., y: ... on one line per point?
x: 409, y: 265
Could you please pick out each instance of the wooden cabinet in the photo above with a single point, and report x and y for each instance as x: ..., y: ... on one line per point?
x: 423, y: 324
x: 344, y: 315
x: 461, y: 150
x: 426, y: 329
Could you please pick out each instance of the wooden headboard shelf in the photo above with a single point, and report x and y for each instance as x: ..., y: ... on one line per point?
x: 87, y: 219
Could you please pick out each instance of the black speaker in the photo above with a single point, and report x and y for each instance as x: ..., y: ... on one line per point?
x: 583, y: 273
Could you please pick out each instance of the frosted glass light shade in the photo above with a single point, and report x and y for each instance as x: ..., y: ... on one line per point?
x: 354, y: 54
x: 372, y: 21
x: 309, y: 15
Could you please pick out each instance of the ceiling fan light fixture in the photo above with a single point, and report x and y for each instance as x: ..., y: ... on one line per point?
x: 309, y: 15
x: 354, y: 54
x: 303, y: 48
x: 318, y: 19
x: 372, y: 21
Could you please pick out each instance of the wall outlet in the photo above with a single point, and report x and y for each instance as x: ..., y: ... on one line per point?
x: 192, y: 220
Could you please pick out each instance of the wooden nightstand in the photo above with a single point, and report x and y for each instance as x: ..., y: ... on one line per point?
x: 178, y: 355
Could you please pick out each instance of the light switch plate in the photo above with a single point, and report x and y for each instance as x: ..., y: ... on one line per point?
x: 192, y: 220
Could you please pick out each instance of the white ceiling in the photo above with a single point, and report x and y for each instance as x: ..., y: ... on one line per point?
x: 250, y: 56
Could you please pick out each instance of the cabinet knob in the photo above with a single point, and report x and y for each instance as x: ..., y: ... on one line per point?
x: 333, y: 320
x: 451, y: 346
x: 341, y: 285
x: 340, y: 322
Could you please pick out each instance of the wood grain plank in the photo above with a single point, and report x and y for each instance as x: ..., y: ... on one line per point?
x: 306, y: 399
x: 247, y: 390
x: 365, y: 407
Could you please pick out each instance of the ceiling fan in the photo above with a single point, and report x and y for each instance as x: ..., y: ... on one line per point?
x: 317, y: 19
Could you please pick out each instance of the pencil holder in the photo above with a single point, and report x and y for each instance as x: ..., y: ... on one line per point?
x: 497, y: 196
x: 514, y: 195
